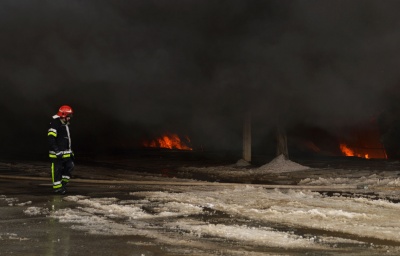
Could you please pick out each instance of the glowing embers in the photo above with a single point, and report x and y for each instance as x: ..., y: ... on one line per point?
x: 170, y: 141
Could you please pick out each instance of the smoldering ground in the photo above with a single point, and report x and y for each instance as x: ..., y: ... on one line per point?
x: 134, y: 69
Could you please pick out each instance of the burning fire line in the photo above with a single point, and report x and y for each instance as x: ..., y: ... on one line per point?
x: 347, y: 151
x: 170, y: 141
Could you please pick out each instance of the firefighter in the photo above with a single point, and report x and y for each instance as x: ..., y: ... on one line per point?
x: 60, y: 152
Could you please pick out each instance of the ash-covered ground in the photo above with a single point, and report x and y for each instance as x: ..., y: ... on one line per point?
x: 180, y: 203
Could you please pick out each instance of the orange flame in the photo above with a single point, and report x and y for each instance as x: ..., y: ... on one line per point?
x: 363, y: 140
x: 346, y: 150
x: 350, y: 152
x: 171, y: 141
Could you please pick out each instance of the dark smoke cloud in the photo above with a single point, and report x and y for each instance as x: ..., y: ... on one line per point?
x: 133, y: 69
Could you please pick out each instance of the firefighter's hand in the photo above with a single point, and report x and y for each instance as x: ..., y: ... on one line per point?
x: 59, y: 155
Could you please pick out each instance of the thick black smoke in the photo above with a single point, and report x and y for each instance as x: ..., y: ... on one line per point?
x: 134, y: 69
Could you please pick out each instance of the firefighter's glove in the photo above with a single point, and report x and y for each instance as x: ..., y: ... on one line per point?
x: 59, y: 155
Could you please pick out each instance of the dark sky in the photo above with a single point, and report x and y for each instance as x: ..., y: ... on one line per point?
x: 134, y: 69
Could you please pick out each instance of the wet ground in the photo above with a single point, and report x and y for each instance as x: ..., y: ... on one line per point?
x: 24, y: 233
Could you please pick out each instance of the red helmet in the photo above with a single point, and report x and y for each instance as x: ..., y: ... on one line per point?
x: 65, y: 111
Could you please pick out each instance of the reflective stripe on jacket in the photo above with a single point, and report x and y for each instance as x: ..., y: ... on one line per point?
x: 59, y: 138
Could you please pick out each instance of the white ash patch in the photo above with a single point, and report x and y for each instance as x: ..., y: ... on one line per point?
x: 11, y: 201
x: 12, y: 236
x: 25, y: 203
x: 280, y: 164
x: 35, y: 211
x: 242, y: 163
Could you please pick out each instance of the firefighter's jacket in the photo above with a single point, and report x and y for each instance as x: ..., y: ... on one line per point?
x: 59, y: 139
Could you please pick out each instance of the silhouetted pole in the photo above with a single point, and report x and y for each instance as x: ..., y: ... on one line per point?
x: 281, y: 147
x: 247, y: 138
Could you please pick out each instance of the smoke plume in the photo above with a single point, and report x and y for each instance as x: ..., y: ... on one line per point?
x: 132, y: 69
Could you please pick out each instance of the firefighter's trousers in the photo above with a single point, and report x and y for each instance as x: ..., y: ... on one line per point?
x: 61, y: 170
